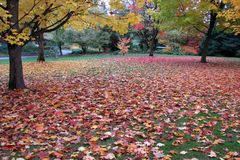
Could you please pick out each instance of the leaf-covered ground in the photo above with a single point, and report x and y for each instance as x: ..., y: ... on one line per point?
x: 123, y: 108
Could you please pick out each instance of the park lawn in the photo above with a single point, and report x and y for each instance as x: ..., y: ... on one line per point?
x: 89, y: 57
x: 76, y: 57
x: 123, y: 108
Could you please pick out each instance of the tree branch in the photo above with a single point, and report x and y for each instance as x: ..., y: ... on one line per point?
x: 199, y: 30
x: 1, y: 18
x: 57, y: 24
x: 195, y: 27
x: 3, y: 7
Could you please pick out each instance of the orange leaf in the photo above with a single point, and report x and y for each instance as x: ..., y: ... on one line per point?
x: 39, y: 127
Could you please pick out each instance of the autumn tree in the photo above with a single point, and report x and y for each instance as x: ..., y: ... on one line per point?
x: 146, y: 29
x: 231, y: 14
x: 101, y: 39
x: 83, y: 38
x: 21, y: 23
x: 185, y: 15
x: 59, y: 37
x: 88, y: 38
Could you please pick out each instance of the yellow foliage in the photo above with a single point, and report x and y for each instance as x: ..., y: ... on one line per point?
x: 18, y: 38
x: 140, y: 3
x: 116, y: 4
x: 232, y: 15
x: 48, y: 14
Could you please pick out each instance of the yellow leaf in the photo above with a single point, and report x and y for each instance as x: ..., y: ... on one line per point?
x: 94, y: 139
x: 94, y: 127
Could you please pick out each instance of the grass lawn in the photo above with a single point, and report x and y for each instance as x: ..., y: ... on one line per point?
x: 106, y: 107
x: 82, y: 57
x: 74, y: 57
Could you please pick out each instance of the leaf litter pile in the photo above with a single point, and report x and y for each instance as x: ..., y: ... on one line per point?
x: 124, y: 108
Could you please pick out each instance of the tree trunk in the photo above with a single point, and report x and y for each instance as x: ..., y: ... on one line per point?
x: 41, y: 57
x: 151, y: 54
x: 204, y: 51
x: 153, y: 41
x: 213, y: 19
x: 60, y: 49
x: 16, y: 80
x: 84, y: 50
x: 151, y: 50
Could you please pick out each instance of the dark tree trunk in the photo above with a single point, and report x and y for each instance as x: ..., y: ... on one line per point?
x: 60, y: 49
x: 84, y: 49
x: 153, y: 41
x: 16, y: 80
x: 151, y: 49
x: 204, y: 51
x: 41, y: 57
x: 152, y: 46
x: 151, y: 54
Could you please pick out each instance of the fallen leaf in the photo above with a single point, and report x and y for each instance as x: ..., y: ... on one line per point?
x: 218, y: 141
x: 183, y: 152
x: 39, y: 127
x: 160, y: 144
x: 212, y: 154
x: 110, y: 156
x: 81, y: 149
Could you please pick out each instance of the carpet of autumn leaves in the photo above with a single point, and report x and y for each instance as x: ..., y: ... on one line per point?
x: 123, y: 108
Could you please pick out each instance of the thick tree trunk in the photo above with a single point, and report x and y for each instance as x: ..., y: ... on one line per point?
x: 204, y: 51
x: 151, y: 50
x: 16, y: 80
x: 41, y: 57
x: 153, y: 41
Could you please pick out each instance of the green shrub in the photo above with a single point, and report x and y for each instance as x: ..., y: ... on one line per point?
x: 76, y: 51
x: 3, y: 48
x: 51, y: 51
x: 225, y: 44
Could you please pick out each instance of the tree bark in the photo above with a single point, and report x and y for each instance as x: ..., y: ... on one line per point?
x: 204, y: 52
x: 41, y: 57
x: 16, y: 80
x: 151, y: 50
x: 153, y: 41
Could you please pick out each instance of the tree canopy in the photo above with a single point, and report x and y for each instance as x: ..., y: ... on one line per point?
x: 21, y: 23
